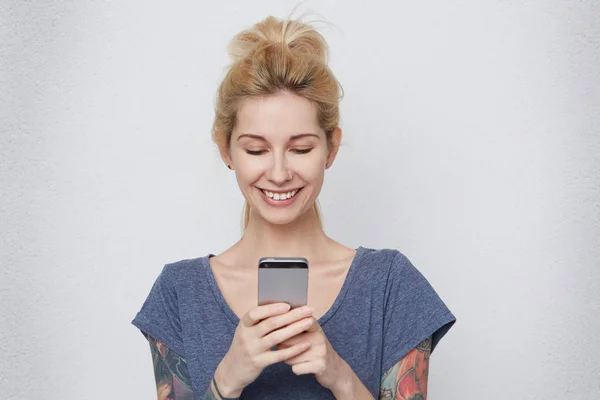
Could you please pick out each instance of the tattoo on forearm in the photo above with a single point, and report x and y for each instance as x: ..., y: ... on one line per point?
x: 407, y: 379
x: 425, y: 345
x: 170, y: 373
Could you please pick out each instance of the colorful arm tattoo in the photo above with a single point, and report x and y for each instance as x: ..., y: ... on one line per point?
x: 171, y: 374
x: 407, y: 379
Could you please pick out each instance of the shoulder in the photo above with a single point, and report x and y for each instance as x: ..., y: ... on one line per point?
x: 394, y: 270
x: 391, y: 260
x: 186, y: 263
x: 183, y: 270
x: 377, y: 256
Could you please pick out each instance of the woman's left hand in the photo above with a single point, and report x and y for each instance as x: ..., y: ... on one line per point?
x: 320, y: 358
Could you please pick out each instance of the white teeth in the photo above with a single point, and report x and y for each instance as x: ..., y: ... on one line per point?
x: 280, y: 196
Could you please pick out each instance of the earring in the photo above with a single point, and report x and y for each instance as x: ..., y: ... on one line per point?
x: 228, y: 166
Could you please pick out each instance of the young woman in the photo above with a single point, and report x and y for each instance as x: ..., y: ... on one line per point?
x: 372, y: 319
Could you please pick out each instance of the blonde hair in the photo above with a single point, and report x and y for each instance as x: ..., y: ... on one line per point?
x: 276, y: 56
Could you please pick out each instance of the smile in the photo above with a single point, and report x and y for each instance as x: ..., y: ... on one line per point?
x: 279, y: 196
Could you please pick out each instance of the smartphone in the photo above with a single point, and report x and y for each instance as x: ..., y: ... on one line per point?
x: 283, y: 279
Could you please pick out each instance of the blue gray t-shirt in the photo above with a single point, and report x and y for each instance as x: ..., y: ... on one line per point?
x: 385, y: 308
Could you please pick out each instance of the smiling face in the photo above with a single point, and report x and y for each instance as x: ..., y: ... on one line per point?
x: 280, y: 153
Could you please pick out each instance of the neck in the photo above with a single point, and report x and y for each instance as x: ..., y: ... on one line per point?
x: 303, y: 237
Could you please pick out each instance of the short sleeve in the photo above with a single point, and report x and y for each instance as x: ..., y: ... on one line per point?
x: 413, y: 311
x: 159, y: 315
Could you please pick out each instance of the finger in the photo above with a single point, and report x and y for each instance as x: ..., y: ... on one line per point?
x: 259, y: 313
x: 279, y: 335
x: 301, y: 337
x: 276, y: 356
x: 308, y: 367
x: 315, y: 327
x: 302, y: 357
x: 272, y: 323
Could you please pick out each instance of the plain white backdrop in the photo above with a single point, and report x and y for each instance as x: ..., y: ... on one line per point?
x: 471, y: 144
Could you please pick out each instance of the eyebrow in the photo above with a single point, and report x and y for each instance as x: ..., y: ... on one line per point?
x: 259, y: 137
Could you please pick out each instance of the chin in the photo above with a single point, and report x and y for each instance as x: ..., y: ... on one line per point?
x: 280, y: 221
x: 276, y: 218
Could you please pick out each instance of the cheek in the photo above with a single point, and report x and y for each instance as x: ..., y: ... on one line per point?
x: 313, y: 173
x: 311, y: 169
x: 248, y: 168
x: 248, y: 174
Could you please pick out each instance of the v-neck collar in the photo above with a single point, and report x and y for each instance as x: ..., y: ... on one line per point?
x: 324, y: 318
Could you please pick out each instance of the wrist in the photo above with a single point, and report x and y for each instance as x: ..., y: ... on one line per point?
x: 227, y: 386
x: 343, y: 386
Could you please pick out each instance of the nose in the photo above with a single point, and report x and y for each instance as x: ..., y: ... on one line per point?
x: 279, y: 172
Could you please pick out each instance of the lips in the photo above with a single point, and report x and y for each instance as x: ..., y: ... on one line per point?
x: 279, y: 195
x: 279, y: 198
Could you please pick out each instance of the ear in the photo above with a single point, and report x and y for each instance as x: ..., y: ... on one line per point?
x: 225, y: 155
x: 334, y: 145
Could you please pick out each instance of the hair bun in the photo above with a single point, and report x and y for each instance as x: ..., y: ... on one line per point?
x: 300, y: 38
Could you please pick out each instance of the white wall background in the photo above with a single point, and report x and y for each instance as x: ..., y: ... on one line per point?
x: 472, y: 144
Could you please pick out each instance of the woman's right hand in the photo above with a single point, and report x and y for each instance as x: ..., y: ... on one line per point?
x: 260, y: 329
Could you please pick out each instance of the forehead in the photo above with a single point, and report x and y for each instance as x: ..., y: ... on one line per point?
x: 277, y: 116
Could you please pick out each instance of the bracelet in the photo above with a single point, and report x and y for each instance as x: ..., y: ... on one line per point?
x: 219, y: 393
